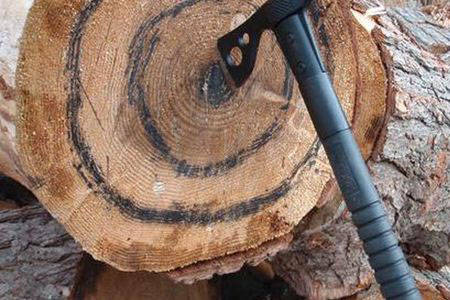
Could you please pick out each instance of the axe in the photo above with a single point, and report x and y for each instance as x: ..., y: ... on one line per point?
x: 288, y: 20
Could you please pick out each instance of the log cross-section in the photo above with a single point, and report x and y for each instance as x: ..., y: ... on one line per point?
x: 132, y: 137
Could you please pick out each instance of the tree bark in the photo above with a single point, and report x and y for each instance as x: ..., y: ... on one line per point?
x: 411, y: 171
x: 38, y: 259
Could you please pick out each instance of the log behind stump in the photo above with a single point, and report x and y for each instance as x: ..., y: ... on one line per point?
x: 38, y: 259
x: 411, y: 169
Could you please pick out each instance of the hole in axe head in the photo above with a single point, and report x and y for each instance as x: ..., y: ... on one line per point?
x: 235, y: 57
x: 244, y: 40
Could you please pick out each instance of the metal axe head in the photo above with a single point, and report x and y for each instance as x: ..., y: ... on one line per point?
x: 246, y: 37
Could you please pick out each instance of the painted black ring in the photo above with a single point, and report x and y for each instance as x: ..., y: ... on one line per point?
x: 140, y: 55
x: 97, y: 180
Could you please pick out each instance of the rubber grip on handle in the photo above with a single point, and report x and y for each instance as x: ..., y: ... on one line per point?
x: 380, y: 243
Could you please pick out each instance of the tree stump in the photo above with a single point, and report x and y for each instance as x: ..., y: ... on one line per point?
x: 130, y: 135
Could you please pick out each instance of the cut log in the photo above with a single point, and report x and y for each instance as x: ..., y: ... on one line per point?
x: 411, y: 168
x: 231, y: 263
x: 151, y: 166
x: 129, y: 134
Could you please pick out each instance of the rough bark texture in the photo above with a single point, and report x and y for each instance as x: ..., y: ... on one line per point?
x: 413, y: 3
x: 433, y: 286
x: 38, y: 259
x: 411, y: 171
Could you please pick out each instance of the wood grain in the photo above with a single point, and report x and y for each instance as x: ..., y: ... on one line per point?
x: 135, y: 141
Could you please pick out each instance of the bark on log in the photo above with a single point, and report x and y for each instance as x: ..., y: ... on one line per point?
x: 411, y: 169
x: 38, y: 259
x: 432, y: 285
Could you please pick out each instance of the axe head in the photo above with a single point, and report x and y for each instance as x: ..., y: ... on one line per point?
x: 245, y: 39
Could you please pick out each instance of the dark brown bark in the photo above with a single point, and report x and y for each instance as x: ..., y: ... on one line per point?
x: 411, y: 170
x: 432, y: 285
x: 38, y: 259
x: 413, y: 3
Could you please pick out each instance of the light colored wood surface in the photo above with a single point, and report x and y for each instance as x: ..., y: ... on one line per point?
x: 130, y: 136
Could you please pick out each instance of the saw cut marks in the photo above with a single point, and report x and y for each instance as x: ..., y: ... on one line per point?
x: 137, y: 143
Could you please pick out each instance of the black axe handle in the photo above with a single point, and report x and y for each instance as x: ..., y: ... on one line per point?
x: 289, y: 21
